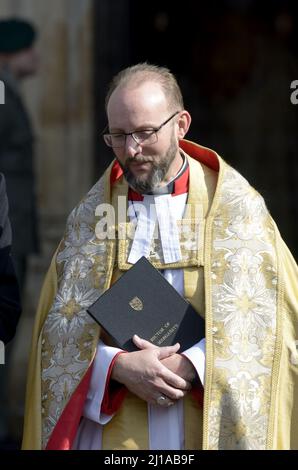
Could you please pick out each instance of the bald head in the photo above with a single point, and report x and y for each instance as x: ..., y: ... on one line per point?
x: 137, y: 104
x: 133, y: 77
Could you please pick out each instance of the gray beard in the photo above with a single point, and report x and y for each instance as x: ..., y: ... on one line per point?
x: 157, y: 175
x: 152, y: 182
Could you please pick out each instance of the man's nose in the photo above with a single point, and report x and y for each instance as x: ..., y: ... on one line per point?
x: 132, y: 147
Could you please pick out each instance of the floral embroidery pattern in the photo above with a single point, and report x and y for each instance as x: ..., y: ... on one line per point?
x: 69, y: 334
x: 244, y: 317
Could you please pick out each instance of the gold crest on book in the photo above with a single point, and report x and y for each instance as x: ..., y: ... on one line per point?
x: 136, y: 304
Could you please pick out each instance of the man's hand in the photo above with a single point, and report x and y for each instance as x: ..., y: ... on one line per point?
x: 177, y: 363
x: 181, y: 366
x: 143, y: 373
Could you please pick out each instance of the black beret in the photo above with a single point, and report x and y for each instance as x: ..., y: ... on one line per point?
x: 16, y: 35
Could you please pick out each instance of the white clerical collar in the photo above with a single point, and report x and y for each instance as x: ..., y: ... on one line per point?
x: 163, y: 210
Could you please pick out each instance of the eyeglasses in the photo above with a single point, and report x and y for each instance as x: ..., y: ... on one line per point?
x: 147, y: 136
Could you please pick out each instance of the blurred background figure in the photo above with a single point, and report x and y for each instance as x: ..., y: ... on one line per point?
x: 10, y: 308
x: 59, y: 100
x: 18, y: 60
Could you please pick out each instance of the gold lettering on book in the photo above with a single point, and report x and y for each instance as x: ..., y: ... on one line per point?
x: 170, y: 332
x: 163, y: 333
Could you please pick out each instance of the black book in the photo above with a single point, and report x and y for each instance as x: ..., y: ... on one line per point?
x: 143, y: 302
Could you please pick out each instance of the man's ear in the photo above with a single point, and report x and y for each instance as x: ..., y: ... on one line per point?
x: 183, y: 123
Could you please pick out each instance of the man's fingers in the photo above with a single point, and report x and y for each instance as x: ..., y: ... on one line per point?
x: 163, y: 352
x: 175, y: 382
x: 142, y: 343
x: 167, y: 351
